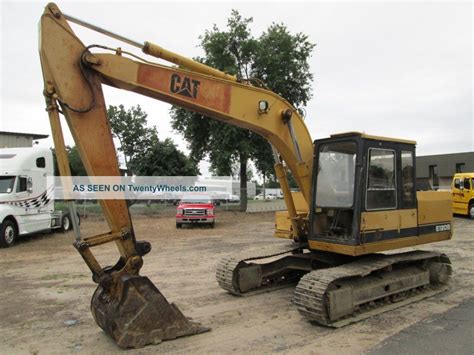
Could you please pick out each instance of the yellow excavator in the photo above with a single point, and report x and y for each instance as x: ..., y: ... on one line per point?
x: 357, y: 194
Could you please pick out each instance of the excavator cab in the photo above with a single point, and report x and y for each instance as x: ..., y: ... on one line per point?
x: 364, y: 197
x: 356, y: 175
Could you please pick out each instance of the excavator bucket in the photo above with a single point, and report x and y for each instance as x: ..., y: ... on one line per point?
x: 140, y: 314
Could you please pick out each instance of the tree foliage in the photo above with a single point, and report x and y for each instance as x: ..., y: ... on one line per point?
x: 77, y: 168
x: 144, y: 153
x: 277, y: 58
x: 281, y: 62
x: 130, y: 128
x: 75, y: 162
x: 164, y: 159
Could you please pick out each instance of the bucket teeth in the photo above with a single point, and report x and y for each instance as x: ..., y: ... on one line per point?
x: 140, y: 315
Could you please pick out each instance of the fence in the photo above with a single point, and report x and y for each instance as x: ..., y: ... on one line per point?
x: 266, y: 206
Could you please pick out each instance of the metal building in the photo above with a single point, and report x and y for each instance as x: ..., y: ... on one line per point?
x: 17, y: 139
x: 438, y: 170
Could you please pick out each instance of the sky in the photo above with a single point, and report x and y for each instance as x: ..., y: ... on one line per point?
x: 397, y: 69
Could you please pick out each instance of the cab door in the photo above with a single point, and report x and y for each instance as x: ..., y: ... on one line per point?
x: 24, y: 212
x: 389, y: 209
x: 462, y: 192
x: 32, y: 216
x: 458, y: 194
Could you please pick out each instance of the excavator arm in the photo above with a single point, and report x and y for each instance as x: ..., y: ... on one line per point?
x: 126, y: 305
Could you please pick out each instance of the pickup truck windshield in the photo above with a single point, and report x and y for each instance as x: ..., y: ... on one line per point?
x: 6, y: 184
x: 197, y: 200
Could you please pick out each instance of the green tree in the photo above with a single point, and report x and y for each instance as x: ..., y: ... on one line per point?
x: 164, y: 159
x: 279, y: 59
x: 130, y: 128
x: 144, y: 153
x: 77, y: 168
x: 75, y: 162
x: 281, y: 62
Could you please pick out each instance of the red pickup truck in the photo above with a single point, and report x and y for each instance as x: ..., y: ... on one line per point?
x: 195, y: 209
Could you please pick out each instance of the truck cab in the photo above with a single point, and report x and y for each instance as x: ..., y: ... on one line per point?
x: 195, y: 209
x: 26, y: 201
x: 462, y: 189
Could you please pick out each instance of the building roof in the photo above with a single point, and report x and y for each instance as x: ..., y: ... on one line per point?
x: 23, y: 134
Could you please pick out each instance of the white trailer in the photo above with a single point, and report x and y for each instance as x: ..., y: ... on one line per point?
x: 26, y: 202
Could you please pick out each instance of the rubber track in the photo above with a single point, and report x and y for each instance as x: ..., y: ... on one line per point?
x: 229, y: 266
x: 311, y: 292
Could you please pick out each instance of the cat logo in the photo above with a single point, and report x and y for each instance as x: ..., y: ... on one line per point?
x: 184, y: 86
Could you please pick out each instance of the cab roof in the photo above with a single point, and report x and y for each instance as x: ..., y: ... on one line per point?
x: 464, y: 175
x: 368, y: 136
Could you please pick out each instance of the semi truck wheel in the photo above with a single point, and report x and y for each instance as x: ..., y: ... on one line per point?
x: 9, y: 234
x: 66, y: 223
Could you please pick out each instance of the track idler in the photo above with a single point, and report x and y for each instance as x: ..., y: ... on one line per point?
x: 131, y: 310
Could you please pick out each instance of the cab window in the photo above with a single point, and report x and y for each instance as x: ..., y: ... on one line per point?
x: 457, y: 183
x: 21, y: 184
x: 381, y: 181
x: 467, y: 184
x: 6, y: 184
x: 41, y: 162
x: 408, y: 193
x: 336, y: 175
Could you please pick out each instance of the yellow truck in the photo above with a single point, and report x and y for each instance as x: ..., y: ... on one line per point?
x: 463, y: 194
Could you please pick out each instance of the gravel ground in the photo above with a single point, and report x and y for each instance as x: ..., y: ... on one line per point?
x: 46, y: 289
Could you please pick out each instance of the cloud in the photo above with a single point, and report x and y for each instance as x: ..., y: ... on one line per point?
x: 395, y: 68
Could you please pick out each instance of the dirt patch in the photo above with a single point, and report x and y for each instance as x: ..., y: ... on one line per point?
x: 46, y: 289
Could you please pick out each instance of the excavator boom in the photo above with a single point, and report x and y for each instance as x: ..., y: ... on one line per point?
x: 126, y: 305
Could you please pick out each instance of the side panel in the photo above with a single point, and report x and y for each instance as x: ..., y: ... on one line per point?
x: 434, y: 206
x: 382, y: 225
x: 34, y: 223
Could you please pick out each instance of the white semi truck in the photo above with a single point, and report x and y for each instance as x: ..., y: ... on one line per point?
x: 26, y: 202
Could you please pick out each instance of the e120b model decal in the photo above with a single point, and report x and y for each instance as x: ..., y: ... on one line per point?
x: 184, y: 86
x: 443, y: 227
